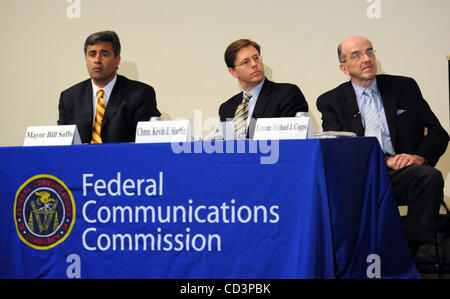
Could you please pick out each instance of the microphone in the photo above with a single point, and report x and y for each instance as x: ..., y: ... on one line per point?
x: 358, y: 114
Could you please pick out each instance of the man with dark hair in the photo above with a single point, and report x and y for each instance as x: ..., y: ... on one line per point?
x: 260, y: 98
x: 104, y: 36
x: 392, y: 109
x: 106, y: 107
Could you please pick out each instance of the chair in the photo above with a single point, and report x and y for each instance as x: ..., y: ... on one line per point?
x: 437, y: 264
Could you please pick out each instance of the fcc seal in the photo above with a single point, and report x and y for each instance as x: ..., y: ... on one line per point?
x: 44, y: 212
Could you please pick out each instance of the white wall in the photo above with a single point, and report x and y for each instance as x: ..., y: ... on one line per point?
x: 177, y: 47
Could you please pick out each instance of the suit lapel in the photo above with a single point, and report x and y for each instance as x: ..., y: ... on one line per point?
x: 114, y: 101
x: 263, y: 99
x: 87, y: 117
x: 351, y: 109
x: 389, y: 100
x: 236, y: 100
x: 87, y: 101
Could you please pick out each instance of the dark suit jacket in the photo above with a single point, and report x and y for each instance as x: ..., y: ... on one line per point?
x: 130, y: 102
x: 407, y: 115
x: 274, y: 100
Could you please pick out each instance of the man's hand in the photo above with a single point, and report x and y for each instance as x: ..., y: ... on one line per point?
x: 402, y: 160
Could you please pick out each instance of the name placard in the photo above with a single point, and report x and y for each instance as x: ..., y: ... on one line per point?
x: 52, y: 135
x: 163, y: 131
x: 283, y: 128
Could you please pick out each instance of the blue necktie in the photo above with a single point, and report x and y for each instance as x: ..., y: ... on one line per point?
x: 372, y: 118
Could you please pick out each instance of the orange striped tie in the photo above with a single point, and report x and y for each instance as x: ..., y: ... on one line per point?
x: 98, y: 117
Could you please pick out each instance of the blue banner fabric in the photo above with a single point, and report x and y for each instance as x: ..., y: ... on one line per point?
x: 242, y: 209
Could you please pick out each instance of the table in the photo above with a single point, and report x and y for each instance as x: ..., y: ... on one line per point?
x: 201, y: 210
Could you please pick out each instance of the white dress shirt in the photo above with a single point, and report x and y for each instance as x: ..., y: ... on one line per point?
x: 252, y: 103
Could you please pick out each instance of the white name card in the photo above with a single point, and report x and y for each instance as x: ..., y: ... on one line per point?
x: 52, y: 135
x: 283, y: 128
x: 163, y: 131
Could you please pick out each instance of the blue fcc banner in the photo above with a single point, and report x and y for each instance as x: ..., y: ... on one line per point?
x: 241, y: 209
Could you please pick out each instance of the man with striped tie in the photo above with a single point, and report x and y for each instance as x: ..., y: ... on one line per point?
x: 260, y: 98
x: 108, y: 106
x: 392, y: 109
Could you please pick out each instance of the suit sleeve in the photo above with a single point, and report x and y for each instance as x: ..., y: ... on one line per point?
x: 146, y: 106
x: 330, y: 120
x: 228, y: 108
x: 62, y: 120
x: 222, y: 113
x: 294, y: 101
x: 435, y: 142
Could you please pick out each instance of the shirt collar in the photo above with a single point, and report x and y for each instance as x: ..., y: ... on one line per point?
x: 257, y: 89
x: 359, y: 90
x: 107, y: 89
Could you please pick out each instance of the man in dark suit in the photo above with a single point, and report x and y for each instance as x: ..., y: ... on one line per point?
x: 409, y: 133
x: 260, y: 98
x: 106, y: 107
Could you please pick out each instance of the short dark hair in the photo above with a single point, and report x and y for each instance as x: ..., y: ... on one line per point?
x: 102, y: 37
x: 234, y: 47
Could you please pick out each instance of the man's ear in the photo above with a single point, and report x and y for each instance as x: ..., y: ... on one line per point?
x: 232, y: 71
x: 117, y: 61
x: 343, y: 68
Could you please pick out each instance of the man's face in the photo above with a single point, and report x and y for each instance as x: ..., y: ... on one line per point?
x: 101, y: 63
x: 360, y: 62
x: 248, y: 68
